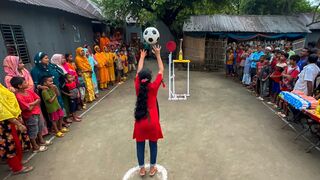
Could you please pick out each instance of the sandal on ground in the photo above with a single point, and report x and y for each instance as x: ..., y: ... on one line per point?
x: 41, y: 149
x: 153, y: 171
x: 59, y: 134
x: 24, y: 170
x: 25, y: 161
x: 77, y: 119
x: 64, y: 130
x: 142, y: 171
x: 68, y: 121
x: 66, y: 125
x: 46, y: 143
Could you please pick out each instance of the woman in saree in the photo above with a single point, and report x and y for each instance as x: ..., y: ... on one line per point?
x: 43, y: 68
x: 14, y: 67
x: 103, y: 72
x: 83, y: 65
x: 93, y: 63
x: 11, y: 128
x: 110, y: 61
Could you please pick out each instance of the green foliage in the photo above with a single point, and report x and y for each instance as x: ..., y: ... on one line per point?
x: 280, y: 7
x: 174, y: 12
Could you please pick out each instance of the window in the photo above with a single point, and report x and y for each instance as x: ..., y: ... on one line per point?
x: 76, y: 35
x: 14, y: 41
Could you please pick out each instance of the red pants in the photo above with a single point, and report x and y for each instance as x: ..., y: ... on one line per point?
x: 15, y: 163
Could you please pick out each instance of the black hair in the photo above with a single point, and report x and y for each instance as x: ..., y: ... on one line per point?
x: 44, y: 79
x: 314, y: 51
x: 67, y: 55
x: 295, y: 58
x: 286, y: 55
x: 308, y: 50
x: 16, y: 81
x: 313, y: 58
x: 141, y: 109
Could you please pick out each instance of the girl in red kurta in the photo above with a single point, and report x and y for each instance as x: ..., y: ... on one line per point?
x: 147, y: 123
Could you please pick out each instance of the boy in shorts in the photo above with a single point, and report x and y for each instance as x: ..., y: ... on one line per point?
x: 29, y: 103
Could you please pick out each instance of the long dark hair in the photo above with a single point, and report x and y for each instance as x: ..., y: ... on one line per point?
x: 141, y: 110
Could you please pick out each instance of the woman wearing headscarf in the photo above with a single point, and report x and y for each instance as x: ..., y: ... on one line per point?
x: 43, y: 68
x: 83, y: 65
x: 11, y: 128
x: 13, y: 66
x: 103, y: 72
x: 110, y: 61
x: 59, y: 60
x: 92, y: 63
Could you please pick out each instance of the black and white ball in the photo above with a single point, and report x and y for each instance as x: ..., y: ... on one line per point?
x: 151, y: 35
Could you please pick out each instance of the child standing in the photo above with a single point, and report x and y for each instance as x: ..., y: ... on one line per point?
x: 264, y: 80
x: 276, y: 78
x: 119, y: 69
x: 260, y: 65
x: 29, y: 103
x: 246, y: 80
x: 74, y: 94
x: 289, y: 77
x: 82, y: 90
x: 52, y: 105
x: 229, y: 63
x: 124, y: 59
x: 131, y: 60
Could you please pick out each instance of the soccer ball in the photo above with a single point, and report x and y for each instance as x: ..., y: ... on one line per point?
x: 151, y: 35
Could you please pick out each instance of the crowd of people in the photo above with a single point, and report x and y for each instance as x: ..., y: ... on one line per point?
x: 269, y: 69
x: 47, y: 99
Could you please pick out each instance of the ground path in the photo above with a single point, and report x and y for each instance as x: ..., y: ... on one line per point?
x: 221, y: 133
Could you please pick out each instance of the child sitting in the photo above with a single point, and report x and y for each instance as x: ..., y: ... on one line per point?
x: 54, y: 110
x: 29, y: 103
x: 74, y: 94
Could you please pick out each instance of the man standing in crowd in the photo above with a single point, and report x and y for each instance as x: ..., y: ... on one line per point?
x: 303, y: 58
x: 307, y: 76
x: 255, y: 58
x: 288, y: 50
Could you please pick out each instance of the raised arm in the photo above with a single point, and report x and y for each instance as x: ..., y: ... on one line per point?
x: 156, y: 51
x: 143, y: 54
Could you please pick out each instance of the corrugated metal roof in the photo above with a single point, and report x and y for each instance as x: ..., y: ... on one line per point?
x: 306, y: 18
x: 80, y: 7
x: 245, y: 23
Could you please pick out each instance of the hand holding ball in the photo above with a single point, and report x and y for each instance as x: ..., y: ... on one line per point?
x: 151, y: 35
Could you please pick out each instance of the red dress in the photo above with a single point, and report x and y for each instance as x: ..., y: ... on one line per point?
x: 149, y: 128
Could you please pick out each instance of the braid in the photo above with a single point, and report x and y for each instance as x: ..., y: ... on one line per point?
x: 141, y: 110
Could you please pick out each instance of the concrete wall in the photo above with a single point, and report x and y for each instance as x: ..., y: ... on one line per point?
x: 313, y: 37
x: 43, y: 29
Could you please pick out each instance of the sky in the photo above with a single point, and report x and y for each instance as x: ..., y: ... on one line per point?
x: 313, y: 2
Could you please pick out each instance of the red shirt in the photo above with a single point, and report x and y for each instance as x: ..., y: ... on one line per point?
x: 149, y: 128
x: 274, y: 63
x: 239, y: 54
x: 286, y: 84
x: 24, y: 102
x: 276, y: 73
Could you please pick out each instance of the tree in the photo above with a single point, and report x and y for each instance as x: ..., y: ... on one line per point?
x: 278, y: 7
x: 172, y: 12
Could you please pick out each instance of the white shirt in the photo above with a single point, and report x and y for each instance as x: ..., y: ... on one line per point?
x: 309, y: 73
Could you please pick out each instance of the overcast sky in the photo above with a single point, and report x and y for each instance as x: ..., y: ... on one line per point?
x: 314, y: 1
